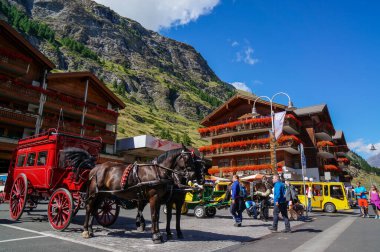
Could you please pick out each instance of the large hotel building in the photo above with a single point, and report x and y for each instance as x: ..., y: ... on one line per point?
x: 32, y: 98
x: 240, y: 143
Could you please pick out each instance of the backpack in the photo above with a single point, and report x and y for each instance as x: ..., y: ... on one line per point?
x: 242, y: 191
x: 293, y: 194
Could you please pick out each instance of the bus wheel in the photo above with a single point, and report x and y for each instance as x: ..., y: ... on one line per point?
x: 329, y: 208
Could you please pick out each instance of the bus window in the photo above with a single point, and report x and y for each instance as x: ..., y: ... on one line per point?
x: 326, y: 190
x: 42, y: 156
x: 299, y: 189
x: 336, y: 192
x: 30, y: 159
x: 317, y: 190
x: 20, y: 160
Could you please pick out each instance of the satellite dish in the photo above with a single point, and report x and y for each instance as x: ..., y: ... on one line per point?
x: 372, y: 148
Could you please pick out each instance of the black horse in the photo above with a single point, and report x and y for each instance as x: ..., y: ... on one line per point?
x: 150, y: 182
x: 175, y: 197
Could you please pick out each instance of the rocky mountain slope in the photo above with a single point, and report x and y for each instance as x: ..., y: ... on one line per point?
x: 360, y: 163
x: 167, y: 85
x: 374, y: 160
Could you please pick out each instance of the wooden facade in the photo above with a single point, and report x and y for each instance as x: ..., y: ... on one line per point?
x: 241, y: 144
x: 31, y: 98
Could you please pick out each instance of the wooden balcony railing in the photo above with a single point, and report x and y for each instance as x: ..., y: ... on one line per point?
x: 16, y: 91
x: 250, y: 146
x: 13, y: 63
x: 324, y: 131
x: 249, y: 125
x: 107, y: 136
x: 17, y: 117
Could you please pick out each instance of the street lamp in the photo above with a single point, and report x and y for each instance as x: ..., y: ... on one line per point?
x: 254, y: 114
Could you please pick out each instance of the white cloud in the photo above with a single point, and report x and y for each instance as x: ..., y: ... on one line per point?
x: 241, y: 86
x: 257, y: 82
x: 244, y: 53
x: 363, y: 148
x: 248, y: 56
x: 161, y: 14
x: 234, y: 44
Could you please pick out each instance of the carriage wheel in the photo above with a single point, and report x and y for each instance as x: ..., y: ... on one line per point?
x: 18, y: 196
x: 60, y: 209
x: 107, y: 212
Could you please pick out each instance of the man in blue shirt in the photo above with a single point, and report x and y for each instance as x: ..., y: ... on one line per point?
x: 280, y: 205
x: 237, y: 201
x: 360, y: 193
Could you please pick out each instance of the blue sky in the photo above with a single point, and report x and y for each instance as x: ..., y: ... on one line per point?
x: 316, y: 51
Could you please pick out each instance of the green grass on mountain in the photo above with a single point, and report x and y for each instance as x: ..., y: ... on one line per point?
x: 141, y: 119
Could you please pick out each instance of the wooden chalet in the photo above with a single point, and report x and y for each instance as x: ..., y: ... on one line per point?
x: 31, y: 99
x: 241, y: 144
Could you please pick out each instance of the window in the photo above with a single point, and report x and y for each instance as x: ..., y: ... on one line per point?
x: 20, y: 160
x: 317, y: 190
x: 326, y: 190
x: 336, y: 192
x: 30, y: 159
x: 42, y: 157
x: 224, y: 163
x: 299, y: 189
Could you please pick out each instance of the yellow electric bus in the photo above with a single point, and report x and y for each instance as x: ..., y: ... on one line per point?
x: 327, y: 196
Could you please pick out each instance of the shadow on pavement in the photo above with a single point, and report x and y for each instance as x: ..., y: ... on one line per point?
x: 309, y: 230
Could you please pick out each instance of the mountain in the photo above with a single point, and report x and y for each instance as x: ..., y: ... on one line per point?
x: 360, y: 163
x: 374, y: 160
x: 167, y: 85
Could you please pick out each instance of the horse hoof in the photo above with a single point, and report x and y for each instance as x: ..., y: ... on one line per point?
x: 169, y: 236
x: 86, y: 234
x: 158, y: 241
x: 140, y: 229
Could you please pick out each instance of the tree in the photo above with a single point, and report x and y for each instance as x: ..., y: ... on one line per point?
x: 177, y: 138
x: 186, y: 140
x: 114, y: 84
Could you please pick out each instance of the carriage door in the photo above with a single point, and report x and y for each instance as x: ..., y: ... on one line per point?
x: 318, y: 195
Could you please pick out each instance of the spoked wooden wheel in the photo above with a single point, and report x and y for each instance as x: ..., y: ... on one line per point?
x: 107, y: 212
x: 18, y: 197
x: 77, y: 201
x: 60, y: 209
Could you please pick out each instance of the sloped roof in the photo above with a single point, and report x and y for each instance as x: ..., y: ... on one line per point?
x: 338, y: 134
x: 26, y: 45
x: 316, y: 109
x: 242, y: 96
x: 94, y: 79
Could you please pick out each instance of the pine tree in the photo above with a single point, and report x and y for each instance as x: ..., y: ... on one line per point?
x: 186, y: 140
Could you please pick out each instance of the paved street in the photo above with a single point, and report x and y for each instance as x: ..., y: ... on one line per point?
x: 33, y: 233
x: 324, y: 232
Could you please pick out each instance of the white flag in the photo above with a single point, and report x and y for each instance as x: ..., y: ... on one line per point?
x: 278, y: 124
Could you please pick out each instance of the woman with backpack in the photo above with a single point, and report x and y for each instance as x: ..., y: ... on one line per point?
x: 292, y: 198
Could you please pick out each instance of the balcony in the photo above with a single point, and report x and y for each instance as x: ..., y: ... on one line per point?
x: 325, y: 152
x: 343, y: 162
x: 249, y: 126
x: 324, y: 131
x: 17, y: 117
x: 75, y: 106
x: 73, y: 127
x: 17, y: 90
x: 285, y: 143
x: 331, y: 168
x: 13, y: 64
x: 341, y: 151
x: 108, y: 137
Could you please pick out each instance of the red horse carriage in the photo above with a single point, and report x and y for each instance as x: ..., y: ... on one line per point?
x: 39, y: 170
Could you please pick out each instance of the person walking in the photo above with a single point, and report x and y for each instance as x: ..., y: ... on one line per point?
x: 280, y: 206
x: 374, y: 199
x: 360, y: 193
x: 292, y: 198
x: 237, y: 201
x: 309, y: 194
